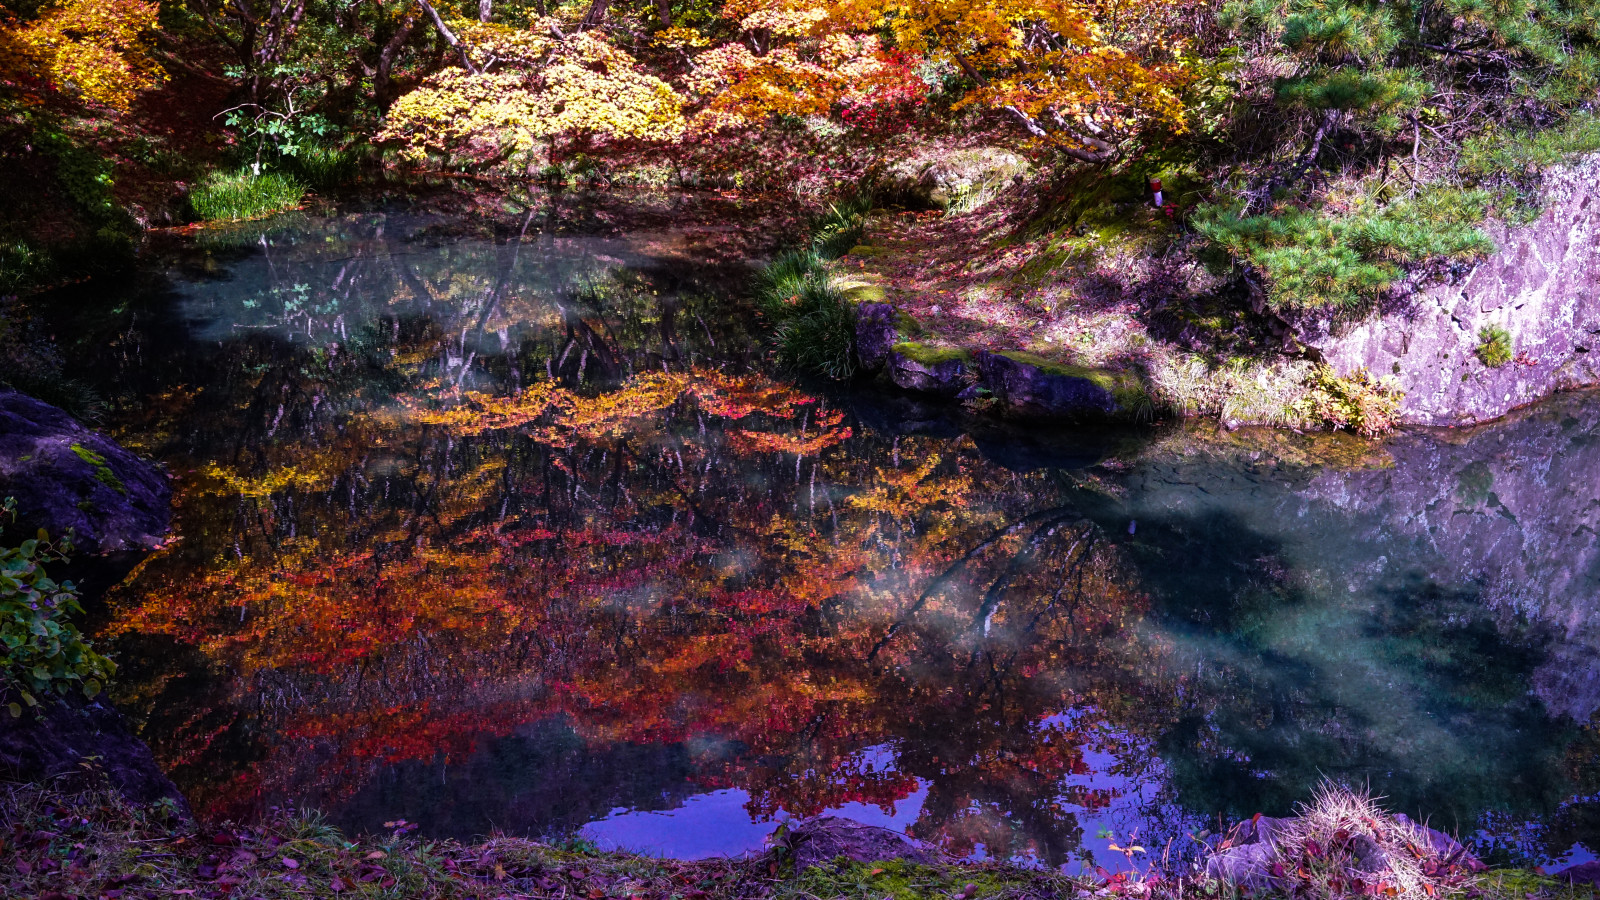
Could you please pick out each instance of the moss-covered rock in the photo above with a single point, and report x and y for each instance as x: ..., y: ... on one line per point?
x: 1035, y: 386
x: 929, y: 369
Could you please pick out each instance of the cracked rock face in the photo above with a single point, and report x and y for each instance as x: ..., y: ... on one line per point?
x: 1542, y: 287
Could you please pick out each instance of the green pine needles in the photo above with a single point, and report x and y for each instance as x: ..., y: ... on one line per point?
x: 1494, y: 346
x: 1311, y: 259
x: 1387, y: 144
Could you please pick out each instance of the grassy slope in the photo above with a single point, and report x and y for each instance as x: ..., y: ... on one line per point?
x: 1085, y: 279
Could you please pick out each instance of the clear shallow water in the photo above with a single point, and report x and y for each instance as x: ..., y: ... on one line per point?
x: 488, y: 531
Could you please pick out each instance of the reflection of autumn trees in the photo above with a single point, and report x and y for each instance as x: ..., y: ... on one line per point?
x: 690, y: 554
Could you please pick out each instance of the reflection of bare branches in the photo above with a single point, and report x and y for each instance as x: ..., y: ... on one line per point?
x: 1040, y: 520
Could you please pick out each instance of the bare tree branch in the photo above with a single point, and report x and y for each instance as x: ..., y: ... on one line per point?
x: 450, y: 37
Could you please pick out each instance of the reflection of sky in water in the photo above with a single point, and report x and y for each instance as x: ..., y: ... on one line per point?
x: 323, y: 289
x: 716, y: 824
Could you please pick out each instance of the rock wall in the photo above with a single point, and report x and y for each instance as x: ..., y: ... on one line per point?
x: 1542, y: 286
x: 118, y: 506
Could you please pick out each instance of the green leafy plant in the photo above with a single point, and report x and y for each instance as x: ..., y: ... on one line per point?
x: 1494, y: 346
x: 41, y: 650
x: 841, y: 226
x: 225, y: 196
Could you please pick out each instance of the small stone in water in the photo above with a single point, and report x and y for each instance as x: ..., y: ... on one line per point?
x: 1133, y: 525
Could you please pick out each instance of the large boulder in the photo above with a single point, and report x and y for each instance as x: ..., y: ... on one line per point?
x: 78, y: 744
x: 1542, y: 287
x: 65, y: 476
x: 1037, y: 387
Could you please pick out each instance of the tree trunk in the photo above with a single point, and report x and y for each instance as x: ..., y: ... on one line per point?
x: 384, y: 89
x: 664, y: 13
x: 485, y: 10
x: 450, y: 37
x: 595, y: 15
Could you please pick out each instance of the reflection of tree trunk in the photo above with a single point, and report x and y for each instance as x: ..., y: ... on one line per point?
x: 669, y: 328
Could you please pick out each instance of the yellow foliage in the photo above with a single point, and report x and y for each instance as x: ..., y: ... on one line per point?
x: 93, y: 48
x: 533, y: 88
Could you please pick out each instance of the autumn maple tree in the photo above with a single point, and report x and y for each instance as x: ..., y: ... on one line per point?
x: 1079, y: 77
x: 96, y: 50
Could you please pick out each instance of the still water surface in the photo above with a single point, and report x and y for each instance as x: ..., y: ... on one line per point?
x: 514, y: 531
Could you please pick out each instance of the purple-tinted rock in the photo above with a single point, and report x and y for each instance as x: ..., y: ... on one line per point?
x: 64, y: 475
x: 1248, y: 866
x: 1542, y: 286
x: 876, y: 334
x: 1583, y: 873
x: 943, y: 377
x: 1440, y: 844
x: 821, y: 840
x: 1031, y: 390
x: 73, y: 743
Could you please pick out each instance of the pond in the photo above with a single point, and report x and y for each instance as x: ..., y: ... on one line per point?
x: 514, y: 530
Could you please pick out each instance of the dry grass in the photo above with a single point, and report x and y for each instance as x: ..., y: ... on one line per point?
x: 1343, y: 844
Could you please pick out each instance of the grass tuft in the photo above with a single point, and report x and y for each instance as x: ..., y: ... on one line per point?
x: 813, y: 322
x: 225, y: 196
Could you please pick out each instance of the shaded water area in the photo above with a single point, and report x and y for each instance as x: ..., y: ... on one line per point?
x: 515, y: 531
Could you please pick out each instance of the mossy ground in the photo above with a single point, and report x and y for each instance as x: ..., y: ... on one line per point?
x: 930, y: 354
x: 86, y: 845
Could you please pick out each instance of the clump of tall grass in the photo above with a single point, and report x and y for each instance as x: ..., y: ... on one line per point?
x: 814, y: 323
x: 841, y: 226
x: 229, y: 196
x: 325, y: 168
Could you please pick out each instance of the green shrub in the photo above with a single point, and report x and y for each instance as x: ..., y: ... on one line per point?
x: 1360, y: 403
x: 22, y: 266
x: 842, y: 226
x: 224, y: 196
x: 41, y: 650
x: 1494, y: 346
